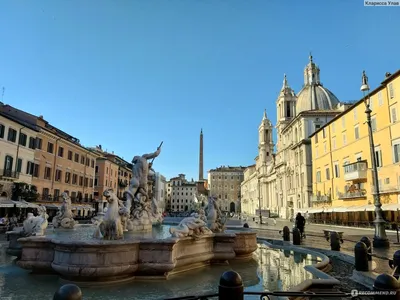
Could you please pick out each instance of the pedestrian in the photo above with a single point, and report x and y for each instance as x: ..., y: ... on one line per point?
x: 300, y: 224
x: 307, y: 216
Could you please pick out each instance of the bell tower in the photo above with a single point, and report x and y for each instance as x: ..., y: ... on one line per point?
x: 265, y: 143
x: 286, y: 108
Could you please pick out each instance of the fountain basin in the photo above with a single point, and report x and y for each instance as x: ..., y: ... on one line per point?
x: 98, y: 261
x: 14, y: 248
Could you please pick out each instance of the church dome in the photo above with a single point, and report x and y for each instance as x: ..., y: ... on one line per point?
x: 313, y: 96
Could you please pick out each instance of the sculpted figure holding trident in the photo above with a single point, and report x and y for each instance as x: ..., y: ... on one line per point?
x: 140, y: 173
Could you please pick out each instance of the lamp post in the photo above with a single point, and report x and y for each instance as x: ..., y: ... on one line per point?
x: 380, y: 238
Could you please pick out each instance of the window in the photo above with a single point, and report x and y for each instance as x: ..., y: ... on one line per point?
x: 60, y: 151
x: 67, y: 177
x: 50, y: 147
x: 318, y: 177
x: 355, y: 113
x: 39, y: 143
x: 92, y: 163
x: 378, y: 157
x: 69, y: 154
x: 19, y: 165
x: 82, y: 160
x: 334, y: 143
x: 95, y: 182
x: 316, y: 138
x: 396, y: 153
x: 36, y: 170
x: 337, y: 170
x: 356, y: 133
x: 81, y: 180
x: 343, y: 122
x: 2, y: 129
x: 97, y: 170
x: 29, y: 168
x: 8, y: 166
x: 56, y: 194
x: 76, y: 157
x: 380, y: 100
x: 324, y: 147
x: 327, y: 174
x: 32, y: 142
x: 318, y: 126
x: 323, y: 133
x: 86, y: 182
x: 393, y: 114
x: 22, y: 139
x: 91, y: 182
x: 74, y: 178
x: 373, y: 124
x: 47, y: 173
x: 391, y: 91
x: 287, y: 109
x: 344, y: 139
x: 12, y: 135
x: 87, y: 162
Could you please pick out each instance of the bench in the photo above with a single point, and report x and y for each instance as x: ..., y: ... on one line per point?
x: 327, y: 234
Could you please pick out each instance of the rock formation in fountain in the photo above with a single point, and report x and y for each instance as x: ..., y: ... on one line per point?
x: 192, y: 226
x: 110, y: 227
x: 35, y: 226
x: 215, y: 219
x: 64, y: 217
x: 143, y: 211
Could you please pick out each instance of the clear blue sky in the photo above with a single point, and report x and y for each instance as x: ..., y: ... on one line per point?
x: 130, y: 74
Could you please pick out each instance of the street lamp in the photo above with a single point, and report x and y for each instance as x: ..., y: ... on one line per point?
x: 380, y: 238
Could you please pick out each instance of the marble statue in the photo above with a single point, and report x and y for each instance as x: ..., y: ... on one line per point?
x: 201, y: 213
x: 141, y: 205
x: 35, y: 226
x: 124, y: 213
x: 192, y: 226
x: 64, y: 217
x: 110, y: 227
x: 215, y: 218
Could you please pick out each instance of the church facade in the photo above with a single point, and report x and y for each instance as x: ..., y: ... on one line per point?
x: 283, y: 178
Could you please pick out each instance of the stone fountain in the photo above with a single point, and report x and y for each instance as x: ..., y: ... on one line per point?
x: 112, y: 256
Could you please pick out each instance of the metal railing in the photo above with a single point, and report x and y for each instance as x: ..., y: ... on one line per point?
x: 9, y: 173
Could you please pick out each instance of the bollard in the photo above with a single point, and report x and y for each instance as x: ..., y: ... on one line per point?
x: 395, y: 264
x: 367, y: 243
x: 68, y: 292
x: 335, y: 241
x: 245, y: 225
x: 296, y: 236
x: 286, y: 234
x: 361, y: 257
x: 387, y: 286
x: 230, y: 286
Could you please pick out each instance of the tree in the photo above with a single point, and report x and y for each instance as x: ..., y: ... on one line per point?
x: 24, y: 191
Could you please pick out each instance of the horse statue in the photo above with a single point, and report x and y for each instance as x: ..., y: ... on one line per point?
x: 110, y: 227
x: 64, y: 217
x: 191, y: 226
x: 36, y: 226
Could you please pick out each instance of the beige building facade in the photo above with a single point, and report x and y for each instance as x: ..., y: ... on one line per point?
x: 224, y: 184
x: 17, y: 144
x: 180, y: 194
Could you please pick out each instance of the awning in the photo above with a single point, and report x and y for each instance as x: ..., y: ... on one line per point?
x: 363, y: 208
x: 391, y: 207
x: 29, y: 204
x: 7, y: 203
x: 315, y: 210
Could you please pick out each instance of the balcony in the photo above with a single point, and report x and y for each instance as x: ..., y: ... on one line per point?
x: 356, y: 171
x: 321, y: 198
x: 9, y: 174
x: 352, y: 194
x: 387, y: 189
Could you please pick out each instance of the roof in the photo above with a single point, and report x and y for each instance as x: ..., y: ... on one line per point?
x: 315, y: 97
x: 228, y: 169
x: 376, y: 90
x: 21, y: 122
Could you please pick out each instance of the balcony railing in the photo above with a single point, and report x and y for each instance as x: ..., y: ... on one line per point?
x: 353, y: 194
x: 355, y: 171
x: 322, y: 198
x: 9, y: 174
x: 387, y: 189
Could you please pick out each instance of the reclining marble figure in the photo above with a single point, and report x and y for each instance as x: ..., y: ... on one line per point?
x: 35, y: 226
x: 192, y: 226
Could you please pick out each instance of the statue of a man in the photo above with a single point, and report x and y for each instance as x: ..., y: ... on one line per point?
x: 140, y: 173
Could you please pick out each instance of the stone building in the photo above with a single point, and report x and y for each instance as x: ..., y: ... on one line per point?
x: 284, y: 179
x: 160, y: 190
x: 180, y: 194
x: 17, y: 153
x: 61, y: 163
x: 224, y: 183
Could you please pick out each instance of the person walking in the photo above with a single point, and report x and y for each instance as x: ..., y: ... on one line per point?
x: 307, y: 217
x: 300, y: 224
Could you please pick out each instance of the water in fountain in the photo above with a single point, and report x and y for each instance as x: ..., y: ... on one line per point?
x: 270, y: 269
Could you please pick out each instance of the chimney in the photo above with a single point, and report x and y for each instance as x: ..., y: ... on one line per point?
x: 388, y: 74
